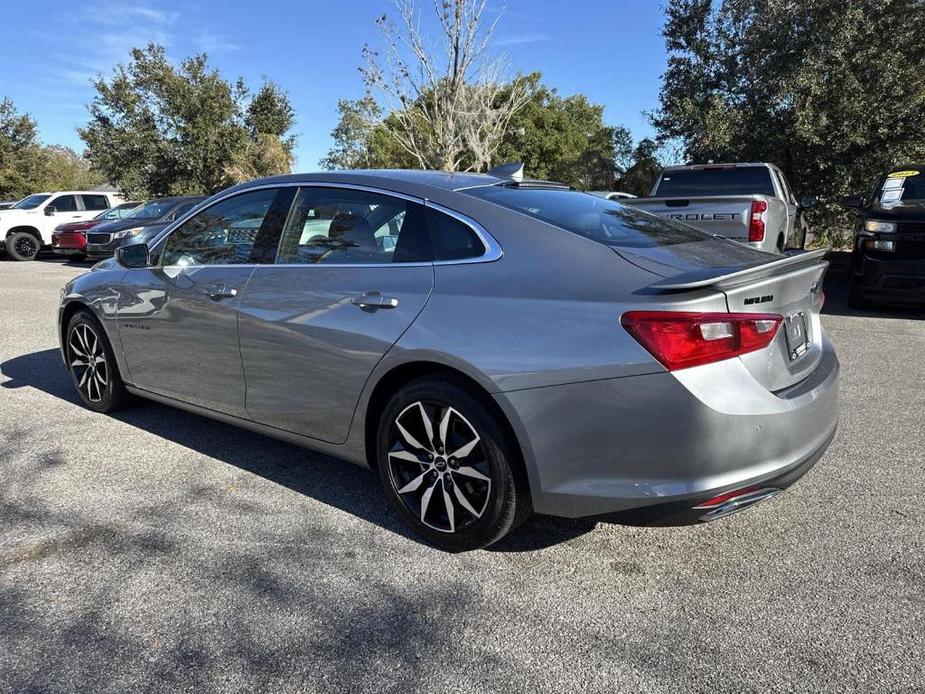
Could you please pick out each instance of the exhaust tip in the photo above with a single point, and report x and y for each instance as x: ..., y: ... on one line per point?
x: 732, y: 502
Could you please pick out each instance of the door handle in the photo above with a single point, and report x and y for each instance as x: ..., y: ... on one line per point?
x: 372, y: 300
x: 220, y: 291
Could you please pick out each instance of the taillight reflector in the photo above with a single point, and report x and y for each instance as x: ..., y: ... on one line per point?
x: 756, y: 223
x: 679, y: 340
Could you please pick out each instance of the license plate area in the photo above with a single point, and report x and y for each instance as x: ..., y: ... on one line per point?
x: 797, y: 335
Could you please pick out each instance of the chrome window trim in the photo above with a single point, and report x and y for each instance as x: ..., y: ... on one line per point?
x: 493, y: 250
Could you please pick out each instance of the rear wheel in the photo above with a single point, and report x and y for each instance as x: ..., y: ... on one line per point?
x: 92, y: 364
x: 448, y: 467
x: 21, y: 245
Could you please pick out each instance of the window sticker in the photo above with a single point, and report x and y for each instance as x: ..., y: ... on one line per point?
x: 892, y: 183
x: 903, y: 174
x: 892, y: 195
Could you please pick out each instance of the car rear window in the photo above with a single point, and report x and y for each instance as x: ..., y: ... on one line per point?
x: 606, y: 221
x: 737, y: 180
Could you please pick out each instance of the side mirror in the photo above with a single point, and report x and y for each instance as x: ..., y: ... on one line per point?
x: 852, y: 202
x: 808, y: 202
x: 133, y: 256
x: 50, y: 211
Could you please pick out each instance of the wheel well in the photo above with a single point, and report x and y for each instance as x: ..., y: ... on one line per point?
x: 69, y: 311
x: 29, y: 230
x: 389, y: 384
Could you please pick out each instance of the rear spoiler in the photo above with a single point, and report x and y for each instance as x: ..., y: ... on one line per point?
x: 721, y: 277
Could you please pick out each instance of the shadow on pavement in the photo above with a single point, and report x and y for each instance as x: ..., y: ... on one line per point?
x: 334, y: 482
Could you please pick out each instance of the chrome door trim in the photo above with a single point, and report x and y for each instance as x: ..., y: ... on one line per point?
x: 492, y: 252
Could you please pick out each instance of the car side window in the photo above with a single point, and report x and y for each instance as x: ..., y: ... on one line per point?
x: 452, y: 239
x: 95, y: 203
x: 224, y: 233
x: 351, y: 227
x: 64, y: 203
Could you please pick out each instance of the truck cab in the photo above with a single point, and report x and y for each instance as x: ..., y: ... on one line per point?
x: 27, y: 226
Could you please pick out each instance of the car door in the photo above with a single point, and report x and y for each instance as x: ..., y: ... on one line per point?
x: 352, y: 273
x: 178, y: 320
x: 66, y: 210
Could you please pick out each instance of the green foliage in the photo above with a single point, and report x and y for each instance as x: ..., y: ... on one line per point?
x: 833, y: 91
x: 562, y: 139
x: 558, y: 138
x: 644, y: 168
x: 160, y: 129
x: 67, y: 170
x: 22, y: 160
x: 27, y: 167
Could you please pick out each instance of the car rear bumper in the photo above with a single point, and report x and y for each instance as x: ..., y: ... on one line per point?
x: 880, y: 276
x: 621, y: 446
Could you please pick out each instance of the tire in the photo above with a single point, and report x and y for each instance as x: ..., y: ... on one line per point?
x: 92, y: 364
x: 21, y: 245
x: 855, y: 300
x: 468, y: 501
x: 780, y: 245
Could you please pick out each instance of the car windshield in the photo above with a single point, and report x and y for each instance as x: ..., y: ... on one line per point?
x: 31, y: 202
x: 729, y: 180
x: 900, y: 186
x: 593, y: 217
x: 153, y: 209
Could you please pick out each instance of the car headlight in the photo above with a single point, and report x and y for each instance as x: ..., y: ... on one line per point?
x: 883, y: 227
x: 128, y: 232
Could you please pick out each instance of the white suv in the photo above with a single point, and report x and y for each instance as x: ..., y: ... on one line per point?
x: 26, y: 227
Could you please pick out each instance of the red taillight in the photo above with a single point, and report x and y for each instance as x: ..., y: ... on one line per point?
x: 756, y: 224
x: 680, y: 340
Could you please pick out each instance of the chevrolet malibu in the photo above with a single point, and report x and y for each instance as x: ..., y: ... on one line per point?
x: 490, y: 346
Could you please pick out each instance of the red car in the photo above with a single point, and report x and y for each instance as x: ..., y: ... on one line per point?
x: 71, y: 239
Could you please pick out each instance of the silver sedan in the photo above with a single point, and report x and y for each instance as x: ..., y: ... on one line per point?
x: 491, y: 347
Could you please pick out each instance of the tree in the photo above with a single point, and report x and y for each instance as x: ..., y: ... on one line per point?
x: 644, y: 168
x: 354, y: 146
x: 160, y: 129
x: 563, y: 139
x: 67, y: 170
x: 448, y: 108
x: 22, y: 161
x: 833, y: 91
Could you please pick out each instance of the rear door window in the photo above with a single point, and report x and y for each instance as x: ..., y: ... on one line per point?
x: 340, y: 226
x: 737, y: 180
x: 95, y: 203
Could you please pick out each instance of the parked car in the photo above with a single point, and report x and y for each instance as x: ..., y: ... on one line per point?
x: 71, y: 238
x: 491, y: 347
x: 140, y: 224
x: 612, y: 194
x: 888, y: 258
x: 749, y: 203
x: 28, y: 225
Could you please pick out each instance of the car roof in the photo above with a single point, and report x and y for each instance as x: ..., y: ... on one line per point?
x: 387, y: 179
x: 719, y: 165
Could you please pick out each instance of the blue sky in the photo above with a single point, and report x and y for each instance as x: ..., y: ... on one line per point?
x: 611, y: 51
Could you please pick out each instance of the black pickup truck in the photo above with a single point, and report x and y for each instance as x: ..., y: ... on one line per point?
x: 888, y: 260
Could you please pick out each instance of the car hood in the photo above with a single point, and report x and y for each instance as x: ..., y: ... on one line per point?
x: 902, y: 212
x: 78, y: 226
x: 126, y: 223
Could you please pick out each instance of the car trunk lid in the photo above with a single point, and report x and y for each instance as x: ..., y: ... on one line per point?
x: 790, y: 287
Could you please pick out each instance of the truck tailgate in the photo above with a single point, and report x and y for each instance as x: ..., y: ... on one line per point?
x: 724, y: 215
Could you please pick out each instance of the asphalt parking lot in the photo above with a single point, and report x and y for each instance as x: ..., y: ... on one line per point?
x: 160, y: 551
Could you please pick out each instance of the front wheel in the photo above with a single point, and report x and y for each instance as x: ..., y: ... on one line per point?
x: 92, y: 364
x: 448, y: 467
x: 21, y: 245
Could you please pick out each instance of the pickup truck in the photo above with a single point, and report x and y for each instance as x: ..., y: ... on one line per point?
x: 750, y: 203
x: 888, y: 258
x: 27, y: 226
